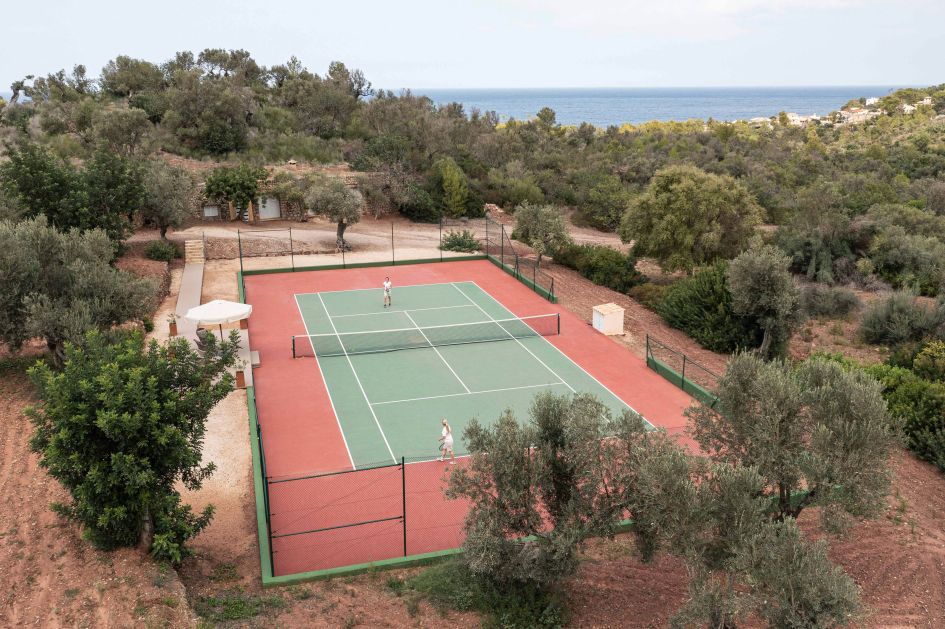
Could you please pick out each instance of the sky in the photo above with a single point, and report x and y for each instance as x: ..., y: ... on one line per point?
x: 506, y: 43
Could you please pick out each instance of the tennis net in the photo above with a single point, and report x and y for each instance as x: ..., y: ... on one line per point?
x: 375, y: 341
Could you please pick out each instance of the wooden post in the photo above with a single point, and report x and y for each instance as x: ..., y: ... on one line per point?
x: 250, y: 215
x: 232, y: 210
x: 240, y: 379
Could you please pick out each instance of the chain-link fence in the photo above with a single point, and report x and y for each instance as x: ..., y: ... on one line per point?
x: 687, y: 374
x: 286, y: 249
x: 351, y: 517
x: 498, y: 245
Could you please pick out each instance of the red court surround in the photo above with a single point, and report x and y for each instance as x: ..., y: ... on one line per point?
x: 301, y: 434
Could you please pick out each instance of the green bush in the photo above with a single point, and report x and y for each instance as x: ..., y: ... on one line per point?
x: 650, y: 295
x: 701, y: 306
x: 819, y: 300
x: 450, y: 585
x: 899, y: 319
x: 161, y: 250
x: 602, y: 265
x: 909, y: 260
x: 920, y: 405
x: 464, y: 241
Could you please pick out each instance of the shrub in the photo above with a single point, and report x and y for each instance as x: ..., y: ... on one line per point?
x: 161, y: 250
x: 649, y: 294
x: 819, y: 300
x: 701, y: 306
x: 898, y: 319
x: 602, y: 265
x: 464, y: 241
x: 450, y: 585
x: 908, y: 260
x: 920, y: 405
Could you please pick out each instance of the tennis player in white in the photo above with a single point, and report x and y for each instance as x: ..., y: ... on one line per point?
x: 446, y: 440
x: 387, y: 287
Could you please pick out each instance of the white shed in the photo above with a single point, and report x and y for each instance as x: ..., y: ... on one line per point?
x: 269, y: 208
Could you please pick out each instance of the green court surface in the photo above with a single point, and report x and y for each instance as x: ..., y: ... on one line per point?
x: 389, y: 403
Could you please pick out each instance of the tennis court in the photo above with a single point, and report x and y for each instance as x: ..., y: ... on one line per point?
x: 440, y: 351
x: 350, y: 396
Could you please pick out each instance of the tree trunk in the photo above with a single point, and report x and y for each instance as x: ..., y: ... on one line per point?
x: 146, y: 537
x: 340, y: 235
x: 163, y: 231
x: 765, y: 344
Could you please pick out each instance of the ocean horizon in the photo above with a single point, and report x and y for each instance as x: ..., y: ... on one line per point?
x: 608, y: 106
x: 603, y: 107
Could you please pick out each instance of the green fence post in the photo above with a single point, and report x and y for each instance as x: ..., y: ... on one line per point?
x: 682, y: 383
x: 393, y: 260
x: 403, y: 495
x: 291, y: 251
x: 239, y: 245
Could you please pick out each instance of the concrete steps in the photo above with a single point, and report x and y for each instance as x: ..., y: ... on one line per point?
x: 193, y: 251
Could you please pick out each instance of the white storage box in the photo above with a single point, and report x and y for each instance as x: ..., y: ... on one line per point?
x: 608, y: 319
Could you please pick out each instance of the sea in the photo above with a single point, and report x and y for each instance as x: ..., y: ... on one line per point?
x: 603, y: 107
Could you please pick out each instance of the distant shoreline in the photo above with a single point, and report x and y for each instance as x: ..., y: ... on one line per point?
x: 608, y: 106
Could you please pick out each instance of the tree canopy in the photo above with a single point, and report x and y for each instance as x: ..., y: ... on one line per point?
x: 688, y: 218
x: 120, y: 425
x: 57, y: 285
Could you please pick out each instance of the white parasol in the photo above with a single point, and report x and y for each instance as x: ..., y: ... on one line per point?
x: 219, y: 311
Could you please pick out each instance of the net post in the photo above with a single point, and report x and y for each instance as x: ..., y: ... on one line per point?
x: 393, y: 259
x: 293, y: 348
x: 291, y: 251
x: 558, y: 317
x: 403, y: 497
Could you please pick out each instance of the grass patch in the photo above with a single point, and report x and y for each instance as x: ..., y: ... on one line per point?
x: 235, y: 605
x: 224, y: 572
x: 449, y: 585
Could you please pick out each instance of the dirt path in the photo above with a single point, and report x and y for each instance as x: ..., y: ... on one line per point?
x: 53, y: 577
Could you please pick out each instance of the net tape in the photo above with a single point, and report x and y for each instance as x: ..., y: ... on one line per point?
x: 376, y: 341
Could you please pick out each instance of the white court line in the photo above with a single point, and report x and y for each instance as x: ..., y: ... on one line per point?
x: 437, y: 397
x: 325, y: 382
x: 433, y: 347
x: 392, y: 311
x: 567, y: 357
x: 360, y: 386
x: 513, y: 337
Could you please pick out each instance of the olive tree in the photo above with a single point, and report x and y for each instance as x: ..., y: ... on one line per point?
x: 763, y: 290
x: 170, y: 196
x: 541, y: 227
x: 538, y: 489
x: 818, y: 435
x: 332, y: 198
x: 57, y: 285
x: 687, y: 217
